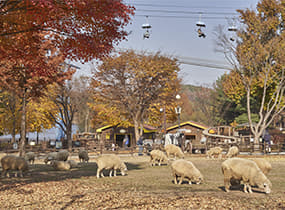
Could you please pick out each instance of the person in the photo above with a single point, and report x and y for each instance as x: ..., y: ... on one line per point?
x: 140, y: 144
x: 126, y: 141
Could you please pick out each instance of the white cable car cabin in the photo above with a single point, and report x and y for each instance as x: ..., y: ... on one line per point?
x: 146, y: 26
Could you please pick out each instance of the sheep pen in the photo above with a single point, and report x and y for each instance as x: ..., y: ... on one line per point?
x: 143, y: 188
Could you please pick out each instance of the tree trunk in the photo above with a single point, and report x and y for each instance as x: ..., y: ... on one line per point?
x: 23, y: 126
x: 137, y: 133
x: 69, y: 137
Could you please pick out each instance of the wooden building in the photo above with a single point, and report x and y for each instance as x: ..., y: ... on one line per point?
x: 191, y: 130
x: 111, y: 134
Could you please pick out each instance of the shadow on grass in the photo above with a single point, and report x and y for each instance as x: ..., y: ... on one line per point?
x: 45, y: 173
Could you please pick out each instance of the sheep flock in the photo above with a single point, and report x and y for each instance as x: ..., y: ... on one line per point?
x: 235, y: 171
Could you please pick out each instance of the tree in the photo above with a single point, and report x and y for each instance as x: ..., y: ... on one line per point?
x: 68, y: 98
x: 9, y: 114
x: 258, y: 60
x: 28, y: 77
x: 132, y: 82
x: 81, y: 30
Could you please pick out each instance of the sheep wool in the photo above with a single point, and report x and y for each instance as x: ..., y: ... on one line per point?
x: 240, y: 169
x: 112, y: 163
x: 157, y: 155
x: 186, y: 169
x: 174, y: 150
x: 12, y: 162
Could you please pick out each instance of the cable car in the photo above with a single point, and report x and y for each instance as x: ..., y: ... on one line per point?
x: 146, y: 26
x: 201, y: 25
x: 232, y: 28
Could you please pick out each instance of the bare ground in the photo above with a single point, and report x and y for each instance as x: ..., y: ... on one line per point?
x: 144, y: 187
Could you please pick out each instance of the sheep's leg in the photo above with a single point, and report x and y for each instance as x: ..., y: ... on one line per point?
x: 115, y: 172
x: 110, y: 173
x: 159, y: 162
x: 190, y: 181
x: 21, y: 173
x: 220, y: 156
x: 102, y: 174
x: 98, y: 173
x: 227, y: 179
x: 181, y: 179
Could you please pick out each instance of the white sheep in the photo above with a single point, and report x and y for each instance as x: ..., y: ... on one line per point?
x: 174, y: 150
x: 263, y: 164
x: 12, y: 162
x: 30, y: 157
x: 61, y: 156
x: 110, y: 162
x: 233, y: 152
x: 157, y: 155
x: 60, y: 165
x: 215, y: 151
x: 83, y: 155
x: 186, y: 169
x: 245, y: 170
x: 72, y: 163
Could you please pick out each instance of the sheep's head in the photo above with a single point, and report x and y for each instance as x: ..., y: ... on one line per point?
x: 123, y: 169
x: 266, y: 186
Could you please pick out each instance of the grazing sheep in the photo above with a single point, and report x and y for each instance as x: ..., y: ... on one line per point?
x: 110, y: 162
x: 72, y: 163
x: 215, y: 151
x: 50, y: 156
x: 157, y: 155
x: 263, y: 164
x: 174, y: 150
x: 30, y: 157
x: 233, y: 152
x: 12, y: 162
x: 186, y: 169
x: 60, y: 165
x: 245, y: 170
x: 61, y: 156
x: 83, y: 155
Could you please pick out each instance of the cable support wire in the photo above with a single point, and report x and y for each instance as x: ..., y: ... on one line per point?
x: 185, y: 17
x: 186, y: 12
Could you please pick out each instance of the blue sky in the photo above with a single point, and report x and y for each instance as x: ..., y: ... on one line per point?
x: 174, y: 32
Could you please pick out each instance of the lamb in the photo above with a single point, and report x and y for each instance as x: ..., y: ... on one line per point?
x: 245, y: 170
x: 214, y: 151
x: 186, y: 169
x: 30, y: 157
x: 60, y: 165
x: 12, y: 162
x: 61, y: 156
x: 110, y: 162
x: 157, y: 155
x: 72, y: 163
x: 233, y: 152
x: 263, y: 164
x: 83, y: 155
x: 172, y: 149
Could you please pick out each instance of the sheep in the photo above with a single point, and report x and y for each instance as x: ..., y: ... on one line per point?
x: 157, y: 155
x: 30, y: 157
x: 233, y: 151
x: 50, y: 156
x: 263, y: 164
x: 12, y: 162
x: 240, y: 169
x: 172, y: 149
x: 214, y: 151
x: 110, y: 162
x: 60, y: 165
x: 72, y: 163
x: 186, y: 169
x: 61, y: 156
x: 83, y: 155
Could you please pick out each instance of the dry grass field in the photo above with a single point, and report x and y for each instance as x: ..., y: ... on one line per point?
x: 144, y: 187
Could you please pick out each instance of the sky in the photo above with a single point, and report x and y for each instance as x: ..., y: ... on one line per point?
x: 174, y: 33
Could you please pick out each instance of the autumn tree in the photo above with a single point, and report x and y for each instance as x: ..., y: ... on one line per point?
x: 29, y: 76
x: 9, y: 114
x: 258, y: 60
x: 132, y: 82
x: 81, y: 30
